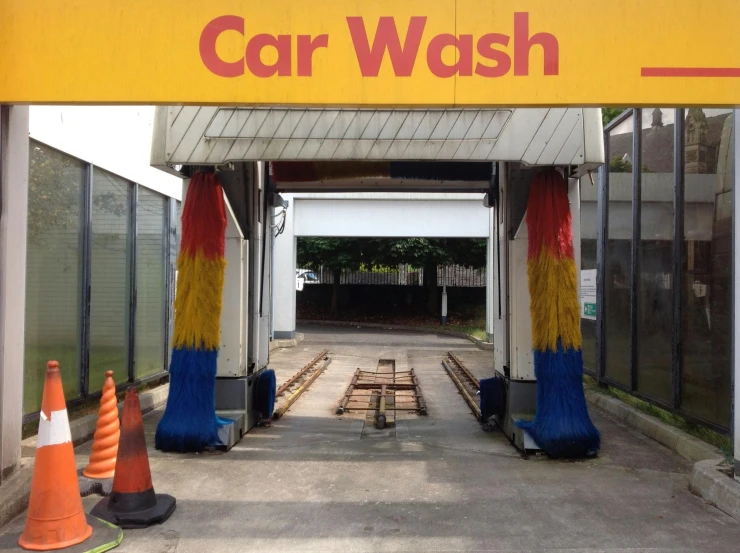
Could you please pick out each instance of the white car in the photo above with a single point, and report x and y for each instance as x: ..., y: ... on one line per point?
x: 304, y: 276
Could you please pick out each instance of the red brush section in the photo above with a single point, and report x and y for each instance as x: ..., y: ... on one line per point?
x: 548, y: 216
x: 204, y: 217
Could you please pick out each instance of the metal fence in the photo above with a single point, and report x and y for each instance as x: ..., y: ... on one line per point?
x: 406, y: 275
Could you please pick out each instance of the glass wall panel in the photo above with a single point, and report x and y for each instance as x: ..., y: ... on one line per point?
x: 707, y: 265
x: 655, y: 283
x: 589, y: 225
x: 150, y: 284
x: 109, y: 287
x: 618, y: 254
x: 54, y: 258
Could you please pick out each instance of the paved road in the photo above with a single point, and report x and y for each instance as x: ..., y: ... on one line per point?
x: 314, y: 481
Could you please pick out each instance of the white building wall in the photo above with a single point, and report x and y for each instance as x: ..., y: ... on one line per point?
x: 116, y: 138
x: 284, y: 306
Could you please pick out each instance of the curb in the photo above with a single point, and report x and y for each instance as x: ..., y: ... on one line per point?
x: 676, y: 440
x: 715, y: 487
x: 286, y: 343
x: 16, y: 489
x: 487, y: 346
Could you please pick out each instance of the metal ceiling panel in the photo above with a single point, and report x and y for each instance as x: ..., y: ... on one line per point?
x: 195, y: 135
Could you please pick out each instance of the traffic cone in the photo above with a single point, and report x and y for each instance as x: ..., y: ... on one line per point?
x: 97, y: 476
x: 132, y: 502
x: 102, y: 462
x: 55, y: 518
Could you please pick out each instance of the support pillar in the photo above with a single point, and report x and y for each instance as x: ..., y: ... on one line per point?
x: 285, y: 275
x: 13, y: 221
x: 490, y: 268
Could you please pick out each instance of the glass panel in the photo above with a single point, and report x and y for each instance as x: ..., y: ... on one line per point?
x: 707, y: 265
x: 655, y: 286
x: 618, y: 254
x: 589, y: 218
x: 150, y: 284
x: 54, y: 258
x: 109, y: 297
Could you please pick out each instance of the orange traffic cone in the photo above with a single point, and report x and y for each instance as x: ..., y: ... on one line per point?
x: 132, y: 502
x: 55, y: 517
x: 102, y: 462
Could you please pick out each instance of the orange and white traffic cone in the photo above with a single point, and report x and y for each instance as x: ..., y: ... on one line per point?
x: 132, y: 502
x: 55, y: 517
x: 97, y: 476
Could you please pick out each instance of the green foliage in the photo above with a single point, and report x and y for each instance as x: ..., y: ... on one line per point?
x: 54, y: 194
x: 419, y: 252
x: 608, y: 114
x: 618, y: 164
x: 378, y: 253
x: 332, y: 253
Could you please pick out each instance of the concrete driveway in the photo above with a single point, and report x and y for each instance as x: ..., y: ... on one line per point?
x: 314, y: 481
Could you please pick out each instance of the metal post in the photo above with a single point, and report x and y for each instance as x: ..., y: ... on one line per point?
x: 85, y: 278
x: 636, y: 238
x: 444, y: 296
x: 678, y: 210
x: 736, y: 300
x: 132, y: 231
x: 602, y: 237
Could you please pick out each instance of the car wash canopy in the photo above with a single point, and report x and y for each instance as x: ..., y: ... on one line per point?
x: 441, y: 53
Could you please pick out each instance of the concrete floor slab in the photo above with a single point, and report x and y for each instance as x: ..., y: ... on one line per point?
x: 311, y: 482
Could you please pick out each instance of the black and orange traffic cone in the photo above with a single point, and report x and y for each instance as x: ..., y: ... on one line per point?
x: 132, y: 502
x: 55, y: 518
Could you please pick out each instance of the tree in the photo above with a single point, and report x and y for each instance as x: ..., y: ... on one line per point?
x: 428, y: 253
x: 55, y: 194
x: 608, y: 114
x: 333, y: 253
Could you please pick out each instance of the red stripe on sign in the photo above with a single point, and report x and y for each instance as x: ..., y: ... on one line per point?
x: 690, y: 72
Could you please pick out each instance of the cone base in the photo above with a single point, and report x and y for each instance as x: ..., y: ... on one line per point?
x: 104, y: 537
x: 157, y: 514
x: 94, y: 486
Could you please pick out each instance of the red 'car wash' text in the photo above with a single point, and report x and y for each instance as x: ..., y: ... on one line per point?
x: 496, y: 53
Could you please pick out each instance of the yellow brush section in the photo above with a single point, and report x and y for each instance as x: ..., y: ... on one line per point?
x: 553, y: 300
x: 200, y: 284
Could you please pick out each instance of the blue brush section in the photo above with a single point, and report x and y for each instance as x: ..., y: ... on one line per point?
x: 266, y: 389
x: 562, y: 426
x: 189, y: 423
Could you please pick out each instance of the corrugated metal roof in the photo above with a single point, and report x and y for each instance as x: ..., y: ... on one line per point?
x: 216, y: 135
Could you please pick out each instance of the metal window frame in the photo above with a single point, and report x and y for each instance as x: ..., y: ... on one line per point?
x: 601, y: 249
x: 133, y: 231
x: 679, y: 153
x: 83, y: 344
x: 85, y: 244
x: 674, y: 405
x: 169, y: 261
x: 636, y: 243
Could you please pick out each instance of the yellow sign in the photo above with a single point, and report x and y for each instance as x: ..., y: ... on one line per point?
x: 371, y: 52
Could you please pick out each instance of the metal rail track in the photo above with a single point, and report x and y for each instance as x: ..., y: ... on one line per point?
x: 384, y: 386
x: 300, y: 382
x: 466, y: 383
